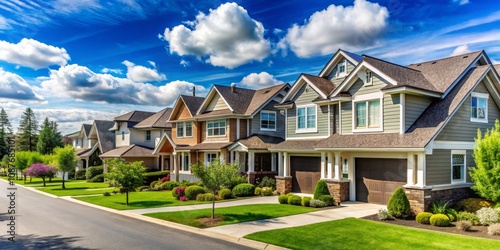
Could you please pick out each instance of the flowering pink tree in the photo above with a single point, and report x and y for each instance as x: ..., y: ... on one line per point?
x: 42, y: 171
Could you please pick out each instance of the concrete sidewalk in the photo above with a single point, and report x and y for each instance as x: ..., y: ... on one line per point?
x: 347, y: 209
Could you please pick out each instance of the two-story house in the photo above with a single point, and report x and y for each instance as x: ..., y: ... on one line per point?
x: 391, y: 126
x: 80, y: 143
x: 137, y: 134
x: 231, y: 123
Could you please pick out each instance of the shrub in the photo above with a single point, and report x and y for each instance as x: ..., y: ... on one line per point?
x: 225, y: 193
x: 183, y: 198
x: 178, y: 192
x: 169, y: 185
x: 80, y: 174
x: 439, y: 220
x: 166, y: 178
x: 268, y: 182
x: 306, y: 201
x: 451, y: 217
x: 283, y: 199
x: 141, y: 188
x: 192, y: 191
x: 258, y: 191
x: 487, y: 215
x: 295, y: 200
x: 267, y: 191
x: 94, y: 171
x: 328, y: 199
x: 423, y: 217
x: 317, y: 203
x: 321, y: 189
x: 240, y: 179
x: 468, y: 216
x: 243, y: 189
x: 154, y: 176
x: 398, y: 205
x: 106, y: 194
x: 463, y: 225
x: 200, y: 197
x: 98, y: 178
x: 209, y: 196
x: 472, y: 204
x: 152, y: 185
x: 439, y: 207
x: 383, y: 214
x: 494, y: 229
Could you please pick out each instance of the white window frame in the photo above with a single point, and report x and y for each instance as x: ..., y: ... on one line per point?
x: 210, y: 153
x: 184, y: 129
x: 123, y: 135
x: 306, y: 129
x: 183, y: 162
x: 367, y: 98
x: 483, y: 96
x: 368, y: 81
x: 275, y: 120
x: 459, y: 152
x: 148, y: 132
x: 213, y: 121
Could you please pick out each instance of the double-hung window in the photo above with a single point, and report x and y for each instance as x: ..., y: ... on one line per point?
x: 306, y: 119
x: 211, y: 157
x: 268, y: 120
x: 479, y: 107
x: 368, y: 78
x: 458, y: 160
x: 184, y: 129
x: 180, y: 129
x: 216, y: 128
x: 340, y: 70
x: 148, y: 135
x: 368, y: 114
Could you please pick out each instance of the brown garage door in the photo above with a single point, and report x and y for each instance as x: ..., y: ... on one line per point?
x: 306, y: 171
x: 376, y: 179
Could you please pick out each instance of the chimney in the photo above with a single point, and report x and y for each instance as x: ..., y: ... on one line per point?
x: 233, y: 87
x: 194, y: 91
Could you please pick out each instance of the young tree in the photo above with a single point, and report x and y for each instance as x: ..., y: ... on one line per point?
x: 21, y: 162
x: 41, y: 170
x: 127, y: 176
x: 215, y: 176
x: 27, y: 135
x: 5, y: 133
x: 485, y: 174
x: 66, y: 160
x: 49, y: 137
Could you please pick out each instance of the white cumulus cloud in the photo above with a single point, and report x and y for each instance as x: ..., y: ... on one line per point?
x: 82, y: 84
x: 138, y: 73
x: 337, y: 27
x: 462, y: 49
x: 33, y: 54
x: 14, y: 87
x: 226, y: 37
x: 258, y: 81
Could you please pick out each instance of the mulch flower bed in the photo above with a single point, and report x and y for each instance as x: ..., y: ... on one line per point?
x: 475, y: 231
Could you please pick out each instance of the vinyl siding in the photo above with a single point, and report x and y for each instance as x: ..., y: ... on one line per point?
x: 414, y: 107
x: 438, y: 166
x: 182, y: 113
x: 336, y: 81
x: 391, y: 113
x: 346, y: 117
x: 118, y: 135
x: 205, y: 138
x: 193, y: 140
x: 460, y: 128
x: 217, y: 103
x: 280, y: 123
x: 305, y: 98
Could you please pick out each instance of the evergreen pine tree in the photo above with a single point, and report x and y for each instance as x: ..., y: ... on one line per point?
x: 5, y: 133
x: 49, y: 137
x: 27, y: 132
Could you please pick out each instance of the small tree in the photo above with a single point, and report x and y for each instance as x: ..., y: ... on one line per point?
x: 486, y: 173
x: 42, y: 171
x: 127, y: 176
x: 399, y: 205
x: 66, y: 160
x: 215, y: 176
x: 21, y: 162
x: 320, y: 189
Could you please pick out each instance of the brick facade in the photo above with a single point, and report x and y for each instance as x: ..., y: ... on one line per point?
x: 421, y: 199
x: 338, y: 189
x: 284, y: 184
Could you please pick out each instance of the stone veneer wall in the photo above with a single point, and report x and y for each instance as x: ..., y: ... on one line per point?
x: 421, y: 199
x: 284, y: 184
x: 339, y: 190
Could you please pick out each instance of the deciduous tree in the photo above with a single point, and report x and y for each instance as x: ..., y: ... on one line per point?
x: 66, y: 160
x: 127, y: 176
x: 41, y: 170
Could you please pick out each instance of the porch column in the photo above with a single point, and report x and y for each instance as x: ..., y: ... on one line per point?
x: 251, y: 161
x: 410, y: 169
x: 273, y: 161
x: 286, y: 164
x: 280, y: 164
x: 162, y: 163
x: 176, y: 167
x: 330, y: 166
x: 337, y: 166
x: 323, y: 163
x: 421, y: 169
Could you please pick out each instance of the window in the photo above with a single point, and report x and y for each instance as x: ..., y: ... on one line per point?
x: 340, y: 70
x: 185, y: 162
x: 345, y: 170
x: 368, y: 78
x: 306, y: 118
x: 180, y: 129
x: 458, y: 165
x: 268, y: 120
x: 184, y: 129
x: 189, y: 129
x: 479, y: 107
x: 123, y: 135
x: 211, y: 157
x: 368, y: 114
x: 148, y: 135
x: 76, y: 142
x: 216, y: 128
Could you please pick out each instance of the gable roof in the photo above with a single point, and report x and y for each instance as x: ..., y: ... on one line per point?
x: 129, y: 151
x: 324, y: 85
x: 263, y: 96
x: 192, y: 103
x: 158, y: 120
x: 105, y: 137
x: 134, y: 116
x: 497, y: 68
x: 259, y: 141
x: 353, y: 58
x: 86, y: 128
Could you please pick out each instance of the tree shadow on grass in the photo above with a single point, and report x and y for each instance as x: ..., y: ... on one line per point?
x: 145, y: 204
x: 31, y: 241
x: 245, y: 217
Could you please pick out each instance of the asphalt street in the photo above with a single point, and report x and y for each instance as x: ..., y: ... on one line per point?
x: 43, y: 222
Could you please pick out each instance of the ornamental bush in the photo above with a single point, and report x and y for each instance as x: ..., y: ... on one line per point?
x: 41, y: 170
x: 399, y: 205
x: 152, y: 185
x: 424, y: 217
x: 306, y: 201
x: 463, y: 225
x: 383, y: 214
x: 439, y: 220
x: 178, y: 192
x: 258, y: 191
x: 243, y: 190
x: 321, y: 189
x: 494, y: 229
x: 98, y: 178
x: 267, y: 191
x: 209, y: 196
x: 468, y: 216
x: 200, y: 197
x: 268, y: 182
x: 225, y: 194
x: 192, y: 191
x: 295, y: 200
x: 80, y: 174
x: 317, y: 203
x: 327, y: 199
x: 94, y: 171
x: 154, y: 176
x: 487, y: 215
x: 472, y: 204
x: 283, y: 199
x: 169, y: 185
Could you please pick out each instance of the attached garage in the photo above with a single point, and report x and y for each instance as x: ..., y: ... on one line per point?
x: 306, y: 172
x: 376, y: 179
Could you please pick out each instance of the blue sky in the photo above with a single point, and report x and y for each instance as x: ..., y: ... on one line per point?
x: 76, y: 61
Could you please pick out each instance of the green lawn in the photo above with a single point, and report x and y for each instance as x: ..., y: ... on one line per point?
x: 354, y: 233
x: 231, y: 215
x: 137, y: 200
x: 75, y: 188
x: 37, y: 182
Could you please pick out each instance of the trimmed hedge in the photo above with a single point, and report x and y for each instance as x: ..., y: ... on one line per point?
x: 306, y: 201
x: 295, y: 200
x: 154, y: 176
x: 399, y: 205
x: 192, y: 191
x: 267, y: 191
x: 439, y: 220
x: 258, y: 191
x: 94, y: 171
x: 80, y: 174
x: 98, y: 178
x: 200, y: 197
x: 209, y: 197
x: 225, y: 193
x: 169, y: 185
x: 423, y: 217
x: 321, y: 189
x: 468, y: 216
x: 243, y: 190
x: 328, y: 199
x: 283, y: 199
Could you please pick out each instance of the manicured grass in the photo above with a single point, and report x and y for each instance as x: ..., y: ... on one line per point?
x: 231, y: 215
x: 354, y: 233
x: 137, y: 200
x: 75, y: 188
x: 37, y: 182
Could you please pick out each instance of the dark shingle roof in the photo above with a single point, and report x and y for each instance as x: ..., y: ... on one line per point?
x: 193, y: 103
x: 204, y: 146
x: 158, y: 120
x: 129, y: 151
x: 86, y: 128
x: 81, y: 151
x: 297, y: 145
x: 261, y: 96
x: 323, y: 84
x: 260, y: 141
x: 134, y: 116
x: 106, y: 137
